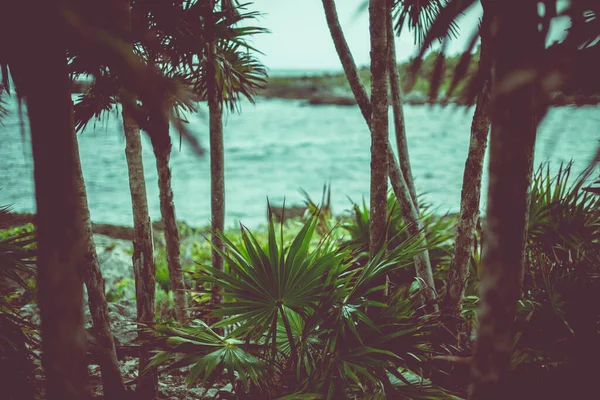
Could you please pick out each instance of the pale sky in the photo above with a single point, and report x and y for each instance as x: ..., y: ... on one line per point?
x: 300, y: 39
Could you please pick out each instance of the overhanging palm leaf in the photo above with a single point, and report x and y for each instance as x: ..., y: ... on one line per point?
x: 583, y: 34
x: 585, y: 28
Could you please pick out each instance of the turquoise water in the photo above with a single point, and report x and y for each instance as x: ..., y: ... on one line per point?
x: 278, y: 146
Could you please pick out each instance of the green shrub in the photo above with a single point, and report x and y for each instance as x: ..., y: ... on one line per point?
x: 299, y: 317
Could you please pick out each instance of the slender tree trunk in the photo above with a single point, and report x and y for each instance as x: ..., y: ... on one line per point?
x: 62, y: 246
x: 398, y: 183
x: 144, y: 267
x: 410, y: 213
x: 217, y: 167
x: 379, y: 124
x: 470, y: 197
x: 517, y: 47
x: 162, y: 151
x: 458, y: 272
x: 345, y: 55
x: 112, y: 382
x: 530, y: 159
x: 217, y: 177
x: 399, y: 125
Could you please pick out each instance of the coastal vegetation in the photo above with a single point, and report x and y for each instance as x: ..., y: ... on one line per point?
x: 391, y: 300
x: 333, y: 88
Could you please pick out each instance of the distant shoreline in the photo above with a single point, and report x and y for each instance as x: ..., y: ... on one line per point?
x: 332, y: 89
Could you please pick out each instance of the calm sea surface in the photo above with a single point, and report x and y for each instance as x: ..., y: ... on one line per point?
x: 275, y: 148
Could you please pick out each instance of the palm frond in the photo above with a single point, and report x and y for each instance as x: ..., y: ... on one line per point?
x: 98, y: 99
x: 418, y: 16
x: 209, y: 355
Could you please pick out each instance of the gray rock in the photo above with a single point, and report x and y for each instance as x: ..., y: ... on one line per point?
x: 196, y: 393
x: 227, y: 388
x: 121, y: 315
x: 30, y: 313
x: 129, y: 366
x: 114, y: 258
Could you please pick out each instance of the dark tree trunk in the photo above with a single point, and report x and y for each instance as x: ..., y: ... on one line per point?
x: 217, y: 167
x: 62, y: 246
x: 458, y: 272
x: 162, y: 151
x: 112, y: 382
x: 399, y: 125
x: 398, y: 183
x: 379, y: 124
x: 517, y: 46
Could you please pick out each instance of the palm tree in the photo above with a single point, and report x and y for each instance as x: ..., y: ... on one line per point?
x: 397, y: 179
x: 144, y: 266
x: 149, y: 17
x: 217, y: 155
x: 162, y: 152
x: 112, y: 382
x: 227, y: 72
x: 62, y: 246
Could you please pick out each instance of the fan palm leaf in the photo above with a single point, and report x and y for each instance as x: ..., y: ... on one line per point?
x: 208, y: 354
